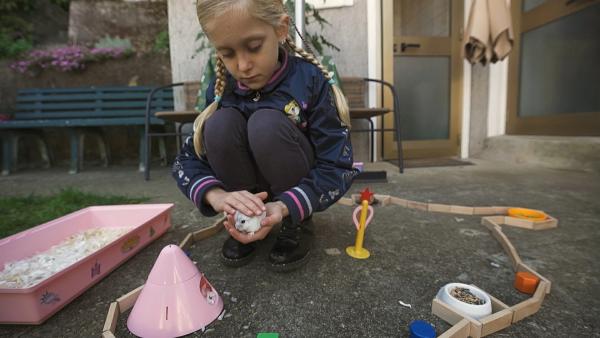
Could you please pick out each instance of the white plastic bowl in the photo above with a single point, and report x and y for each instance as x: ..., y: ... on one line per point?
x: 472, y: 310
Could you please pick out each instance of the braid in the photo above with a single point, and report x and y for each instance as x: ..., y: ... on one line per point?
x: 340, y: 101
x: 308, y: 57
x: 211, y: 108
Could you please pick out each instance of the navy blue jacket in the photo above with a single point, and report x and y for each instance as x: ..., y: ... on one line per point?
x: 299, y: 90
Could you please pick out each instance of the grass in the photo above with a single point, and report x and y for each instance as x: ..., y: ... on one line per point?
x: 21, y: 213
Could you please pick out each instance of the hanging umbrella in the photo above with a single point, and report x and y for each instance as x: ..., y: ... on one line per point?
x: 488, y: 35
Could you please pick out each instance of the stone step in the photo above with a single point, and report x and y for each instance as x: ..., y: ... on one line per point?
x: 557, y: 152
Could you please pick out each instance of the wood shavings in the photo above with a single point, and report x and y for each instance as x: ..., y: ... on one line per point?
x: 30, y: 271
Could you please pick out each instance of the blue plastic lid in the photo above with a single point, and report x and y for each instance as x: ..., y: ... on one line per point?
x: 421, y: 329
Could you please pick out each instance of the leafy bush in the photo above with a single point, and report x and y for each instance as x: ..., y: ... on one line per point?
x: 161, y: 43
x: 108, y: 42
x: 10, y: 47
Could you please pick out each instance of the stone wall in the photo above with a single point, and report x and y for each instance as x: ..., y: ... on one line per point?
x: 140, y: 21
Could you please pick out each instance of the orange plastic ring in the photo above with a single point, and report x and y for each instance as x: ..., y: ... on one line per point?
x: 528, y: 214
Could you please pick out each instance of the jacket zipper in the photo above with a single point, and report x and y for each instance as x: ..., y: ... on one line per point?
x: 256, y: 97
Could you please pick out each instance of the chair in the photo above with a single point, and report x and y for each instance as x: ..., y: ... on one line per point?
x: 179, y: 118
x: 355, y: 89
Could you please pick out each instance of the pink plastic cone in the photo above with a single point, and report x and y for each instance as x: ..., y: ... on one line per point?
x: 176, y: 300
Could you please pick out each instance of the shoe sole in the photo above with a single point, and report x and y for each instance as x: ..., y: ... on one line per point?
x: 236, y: 263
x: 290, y: 266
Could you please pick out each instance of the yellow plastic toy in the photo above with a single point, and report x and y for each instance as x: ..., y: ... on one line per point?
x: 528, y: 214
x: 357, y: 251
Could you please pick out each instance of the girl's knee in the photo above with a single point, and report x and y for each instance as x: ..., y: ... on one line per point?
x: 267, y: 126
x: 224, y: 128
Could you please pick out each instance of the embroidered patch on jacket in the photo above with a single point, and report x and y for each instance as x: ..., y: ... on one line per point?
x: 292, y: 110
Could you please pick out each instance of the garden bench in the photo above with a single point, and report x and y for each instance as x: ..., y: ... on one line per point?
x: 81, y: 111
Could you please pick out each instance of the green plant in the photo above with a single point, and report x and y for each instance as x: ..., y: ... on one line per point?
x: 10, y: 47
x: 64, y: 4
x: 21, y: 213
x: 161, y: 42
x: 108, y: 42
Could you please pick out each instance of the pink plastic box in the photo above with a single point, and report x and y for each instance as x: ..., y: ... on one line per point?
x: 35, y: 304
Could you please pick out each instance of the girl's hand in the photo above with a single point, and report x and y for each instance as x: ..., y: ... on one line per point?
x: 243, y: 201
x: 275, y: 213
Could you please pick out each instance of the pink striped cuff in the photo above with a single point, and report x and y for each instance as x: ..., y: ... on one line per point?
x: 200, y: 188
x: 297, y: 204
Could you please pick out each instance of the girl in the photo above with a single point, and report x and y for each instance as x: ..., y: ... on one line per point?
x: 274, y: 137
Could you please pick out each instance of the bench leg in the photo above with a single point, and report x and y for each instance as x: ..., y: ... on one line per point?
x: 144, y: 153
x: 74, y: 140
x: 102, y: 147
x: 162, y: 148
x: 7, y: 154
x: 43, y: 149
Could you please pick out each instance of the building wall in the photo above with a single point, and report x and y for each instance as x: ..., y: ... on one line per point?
x: 479, y: 108
x: 348, y: 31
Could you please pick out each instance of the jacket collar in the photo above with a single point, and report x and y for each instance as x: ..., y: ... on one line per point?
x: 275, y: 80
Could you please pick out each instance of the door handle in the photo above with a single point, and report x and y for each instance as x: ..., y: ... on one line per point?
x: 404, y: 46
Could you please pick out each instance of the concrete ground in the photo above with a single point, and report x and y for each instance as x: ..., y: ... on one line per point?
x: 413, y: 254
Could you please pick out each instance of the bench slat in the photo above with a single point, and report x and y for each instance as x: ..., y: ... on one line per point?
x: 91, y: 105
x: 117, y: 89
x: 93, y: 122
x: 83, y: 114
x: 90, y: 96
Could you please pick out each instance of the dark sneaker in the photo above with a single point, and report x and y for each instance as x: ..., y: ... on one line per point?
x: 292, y: 246
x: 237, y: 254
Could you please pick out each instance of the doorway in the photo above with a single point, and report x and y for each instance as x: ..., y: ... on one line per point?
x: 422, y: 58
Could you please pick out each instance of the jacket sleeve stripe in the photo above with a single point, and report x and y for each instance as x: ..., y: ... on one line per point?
x: 191, y: 191
x: 308, y: 204
x: 298, y: 204
x: 200, y: 188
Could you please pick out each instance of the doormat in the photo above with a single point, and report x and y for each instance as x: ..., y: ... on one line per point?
x: 432, y: 162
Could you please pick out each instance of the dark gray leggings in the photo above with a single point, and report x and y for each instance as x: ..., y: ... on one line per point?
x: 267, y: 152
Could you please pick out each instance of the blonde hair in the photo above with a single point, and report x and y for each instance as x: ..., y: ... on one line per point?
x: 269, y: 11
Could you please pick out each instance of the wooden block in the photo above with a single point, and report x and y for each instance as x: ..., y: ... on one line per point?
x: 550, y: 223
x: 461, y: 210
x: 416, y: 205
x: 497, y: 305
x: 399, y: 201
x: 346, y: 201
x: 108, y: 334
x: 209, y: 231
x: 509, y: 249
x: 459, y: 330
x: 524, y: 267
x: 501, y: 210
x: 383, y: 199
x: 496, y: 322
x: 111, y: 318
x: 127, y: 301
x: 518, y: 222
x: 452, y: 316
x: 187, y: 241
x: 484, y: 211
x: 433, y: 207
x: 355, y: 198
x: 531, y: 305
x: 492, y: 222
